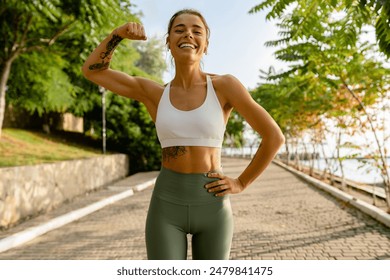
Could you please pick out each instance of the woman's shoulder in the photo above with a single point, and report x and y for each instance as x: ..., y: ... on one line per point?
x: 226, y: 83
x: 223, y: 77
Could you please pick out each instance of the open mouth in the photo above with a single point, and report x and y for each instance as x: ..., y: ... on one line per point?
x: 187, y: 45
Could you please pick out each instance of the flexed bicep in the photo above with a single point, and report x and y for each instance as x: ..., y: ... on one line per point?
x: 97, y: 66
x: 100, y: 58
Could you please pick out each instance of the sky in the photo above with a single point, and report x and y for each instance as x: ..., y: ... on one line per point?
x: 237, y: 37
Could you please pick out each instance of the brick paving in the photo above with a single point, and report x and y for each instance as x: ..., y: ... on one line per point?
x: 278, y: 217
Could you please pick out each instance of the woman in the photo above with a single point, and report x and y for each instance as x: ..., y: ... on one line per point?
x: 191, y: 194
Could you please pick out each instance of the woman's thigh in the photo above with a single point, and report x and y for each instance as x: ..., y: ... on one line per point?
x: 165, y: 233
x: 212, y: 228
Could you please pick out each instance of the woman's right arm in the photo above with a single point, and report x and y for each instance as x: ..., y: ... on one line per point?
x: 97, y: 66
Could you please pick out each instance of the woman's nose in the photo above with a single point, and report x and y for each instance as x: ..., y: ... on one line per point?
x: 188, y: 34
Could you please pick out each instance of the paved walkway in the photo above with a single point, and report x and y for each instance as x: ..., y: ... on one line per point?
x: 278, y: 217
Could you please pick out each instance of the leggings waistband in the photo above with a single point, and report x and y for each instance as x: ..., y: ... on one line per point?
x: 184, y: 188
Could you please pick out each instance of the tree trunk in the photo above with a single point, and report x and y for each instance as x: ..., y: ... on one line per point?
x: 3, y: 89
x: 306, y: 158
x: 385, y: 173
x: 327, y: 168
x: 313, y: 158
x: 18, y: 47
x: 340, y: 161
x: 297, y: 156
x: 287, y: 150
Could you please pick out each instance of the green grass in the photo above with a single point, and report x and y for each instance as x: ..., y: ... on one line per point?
x: 22, y: 147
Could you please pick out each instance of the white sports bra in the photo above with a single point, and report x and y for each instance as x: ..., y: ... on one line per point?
x: 203, y: 126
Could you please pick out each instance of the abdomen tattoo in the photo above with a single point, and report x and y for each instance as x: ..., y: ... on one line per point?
x: 173, y: 152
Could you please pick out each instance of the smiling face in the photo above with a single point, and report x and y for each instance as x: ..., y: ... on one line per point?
x: 188, y: 37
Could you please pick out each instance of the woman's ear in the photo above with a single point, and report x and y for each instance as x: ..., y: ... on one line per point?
x: 206, y: 48
x: 167, y: 43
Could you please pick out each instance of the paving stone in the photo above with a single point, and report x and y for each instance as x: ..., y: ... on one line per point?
x: 278, y: 217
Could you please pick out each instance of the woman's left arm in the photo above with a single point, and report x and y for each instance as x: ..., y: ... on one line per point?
x: 258, y: 118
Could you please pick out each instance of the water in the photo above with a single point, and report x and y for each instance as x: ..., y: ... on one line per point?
x: 354, y: 169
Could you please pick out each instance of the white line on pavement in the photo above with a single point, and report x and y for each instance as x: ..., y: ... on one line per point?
x: 29, y: 234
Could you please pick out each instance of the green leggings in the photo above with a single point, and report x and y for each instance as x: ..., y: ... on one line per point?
x: 180, y: 205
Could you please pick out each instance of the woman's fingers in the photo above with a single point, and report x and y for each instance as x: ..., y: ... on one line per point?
x: 136, y: 31
x: 224, y: 186
x: 132, y: 31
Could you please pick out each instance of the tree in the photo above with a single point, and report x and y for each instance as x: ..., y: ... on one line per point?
x: 356, y: 14
x: 151, y: 60
x: 321, y: 39
x: 46, y: 76
x: 36, y: 26
x: 381, y: 9
x: 39, y: 84
x: 234, y: 130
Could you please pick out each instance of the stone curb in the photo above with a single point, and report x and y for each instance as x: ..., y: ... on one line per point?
x: 29, y: 234
x: 374, y: 212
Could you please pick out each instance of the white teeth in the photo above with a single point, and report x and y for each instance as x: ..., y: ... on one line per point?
x: 186, y: 45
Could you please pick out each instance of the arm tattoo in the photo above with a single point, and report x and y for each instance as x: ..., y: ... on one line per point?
x: 111, y: 45
x: 173, y: 152
x: 98, y: 66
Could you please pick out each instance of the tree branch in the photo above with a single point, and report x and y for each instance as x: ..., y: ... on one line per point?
x: 59, y: 33
x: 385, y: 173
x: 47, y: 42
x: 16, y: 29
x: 23, y: 40
x: 17, y: 46
x: 32, y: 48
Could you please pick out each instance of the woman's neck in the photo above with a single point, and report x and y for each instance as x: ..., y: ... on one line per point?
x: 187, y: 76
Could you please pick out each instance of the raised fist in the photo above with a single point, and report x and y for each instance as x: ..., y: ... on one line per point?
x: 132, y: 31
